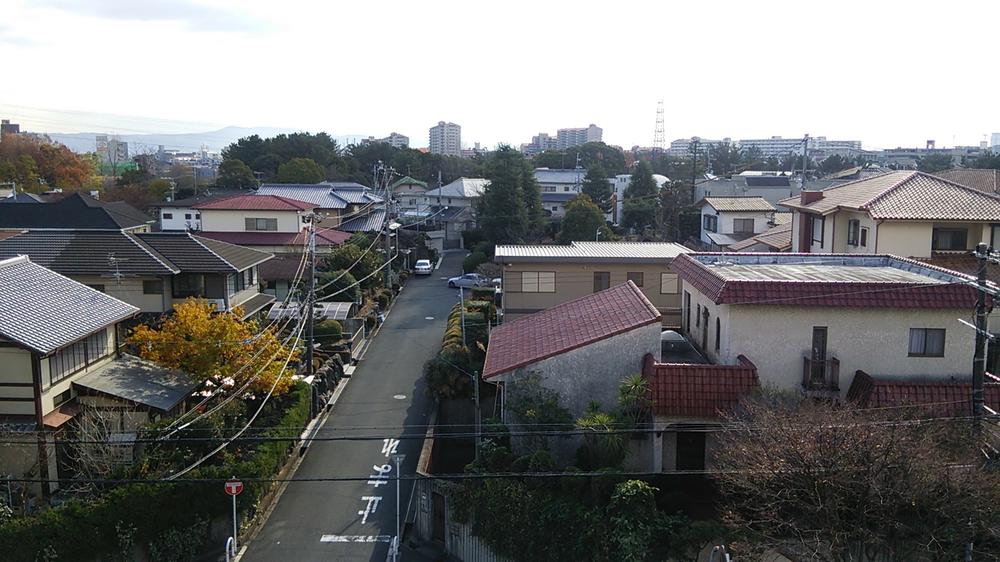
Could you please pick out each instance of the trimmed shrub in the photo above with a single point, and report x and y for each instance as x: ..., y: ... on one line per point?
x: 472, y: 261
x: 330, y: 330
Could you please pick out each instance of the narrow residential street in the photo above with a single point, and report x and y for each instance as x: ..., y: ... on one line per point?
x: 355, y: 520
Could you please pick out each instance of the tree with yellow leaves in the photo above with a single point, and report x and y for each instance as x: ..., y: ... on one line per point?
x: 217, y: 347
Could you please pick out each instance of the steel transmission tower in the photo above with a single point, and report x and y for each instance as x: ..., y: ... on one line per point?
x: 659, y: 140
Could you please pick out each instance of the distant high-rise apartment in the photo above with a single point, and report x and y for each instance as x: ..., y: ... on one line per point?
x: 8, y: 128
x: 111, y: 150
x: 446, y: 139
x: 394, y: 139
x: 539, y: 143
x: 995, y: 141
x: 566, y: 138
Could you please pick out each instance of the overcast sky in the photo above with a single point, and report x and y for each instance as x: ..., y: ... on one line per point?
x: 888, y: 73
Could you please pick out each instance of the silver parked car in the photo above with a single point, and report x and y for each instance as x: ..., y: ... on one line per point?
x: 423, y: 267
x: 468, y: 280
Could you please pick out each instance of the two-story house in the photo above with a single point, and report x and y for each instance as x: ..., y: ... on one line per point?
x: 345, y: 206
x: 74, y: 212
x: 536, y: 278
x: 150, y: 271
x: 408, y: 193
x: 728, y: 220
x: 59, y: 342
x: 904, y: 213
x: 810, y: 322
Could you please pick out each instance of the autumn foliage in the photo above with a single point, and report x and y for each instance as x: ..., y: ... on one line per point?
x: 217, y: 347
x: 28, y: 161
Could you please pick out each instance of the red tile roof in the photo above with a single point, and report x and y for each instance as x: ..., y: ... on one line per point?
x: 807, y: 291
x: 567, y: 326
x: 255, y: 203
x: 327, y: 237
x: 965, y: 264
x: 941, y: 396
x: 702, y: 391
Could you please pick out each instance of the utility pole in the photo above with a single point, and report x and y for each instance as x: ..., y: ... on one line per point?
x: 388, y: 248
x: 479, y: 413
x: 397, y: 459
x: 311, y: 297
x: 979, y: 361
x: 461, y: 304
x: 694, y: 166
x: 805, y: 159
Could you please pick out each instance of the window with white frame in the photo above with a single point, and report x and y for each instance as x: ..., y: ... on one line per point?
x: 853, y: 232
x: 710, y: 223
x: 538, y: 281
x: 668, y: 284
x: 743, y: 226
x: 261, y: 224
x: 818, y: 224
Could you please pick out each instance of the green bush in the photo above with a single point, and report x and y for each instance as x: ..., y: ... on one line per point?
x: 89, y: 530
x: 484, y: 247
x: 472, y: 237
x: 472, y: 261
x: 329, y: 330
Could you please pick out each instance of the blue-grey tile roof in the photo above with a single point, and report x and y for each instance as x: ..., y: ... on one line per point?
x: 560, y: 176
x: 364, y: 223
x: 43, y: 311
x: 75, y: 212
x: 140, y: 382
x: 98, y: 253
x: 328, y: 195
x: 198, y: 254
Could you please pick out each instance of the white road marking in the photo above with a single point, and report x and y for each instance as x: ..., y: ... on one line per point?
x: 356, y: 538
x: 370, y: 508
x: 389, y: 446
x: 428, y: 318
x: 382, y: 476
x: 399, y: 396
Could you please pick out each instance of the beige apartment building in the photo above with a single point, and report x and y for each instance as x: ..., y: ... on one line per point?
x: 538, y: 277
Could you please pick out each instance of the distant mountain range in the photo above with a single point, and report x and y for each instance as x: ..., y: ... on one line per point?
x: 185, y: 142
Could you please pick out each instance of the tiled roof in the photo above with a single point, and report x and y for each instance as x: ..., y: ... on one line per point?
x: 567, y: 326
x: 282, y: 267
x: 21, y: 197
x: 904, y: 195
x: 842, y: 280
x: 702, y: 391
x: 942, y: 396
x: 987, y: 181
x: 407, y: 180
x: 560, y: 176
x: 74, y: 212
x: 622, y: 252
x: 204, y: 197
x: 256, y: 203
x: 196, y: 254
x: 778, y: 238
x: 367, y: 222
x: 965, y: 264
x: 324, y: 237
x: 327, y: 195
x: 81, y: 252
x: 462, y: 187
x: 738, y: 204
x: 44, y: 311
x: 782, y: 218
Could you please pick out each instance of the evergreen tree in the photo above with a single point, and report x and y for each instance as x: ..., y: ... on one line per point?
x: 596, y: 186
x: 582, y: 221
x: 510, y: 208
x: 641, y: 201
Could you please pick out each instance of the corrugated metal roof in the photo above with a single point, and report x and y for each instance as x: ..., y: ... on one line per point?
x: 44, y: 311
x: 462, y: 187
x: 364, y: 223
x: 319, y: 195
x: 586, y: 251
x: 738, y: 204
x: 140, y: 382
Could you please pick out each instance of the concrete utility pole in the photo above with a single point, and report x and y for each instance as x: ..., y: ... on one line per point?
x: 479, y: 413
x: 311, y: 297
x: 694, y: 167
x: 979, y: 361
x: 805, y: 159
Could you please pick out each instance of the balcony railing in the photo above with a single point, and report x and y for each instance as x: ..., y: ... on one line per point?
x: 821, y: 375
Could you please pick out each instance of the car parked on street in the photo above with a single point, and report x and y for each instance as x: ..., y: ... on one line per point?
x: 423, y: 267
x: 468, y: 280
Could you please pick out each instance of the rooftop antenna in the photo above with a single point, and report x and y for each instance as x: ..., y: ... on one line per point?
x: 113, y: 263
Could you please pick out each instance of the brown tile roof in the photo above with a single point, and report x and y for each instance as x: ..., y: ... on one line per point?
x: 567, y: 326
x: 256, y: 203
x: 703, y: 391
x: 945, y: 396
x: 778, y: 238
x: 738, y: 204
x: 987, y: 181
x: 838, y: 280
x: 905, y: 195
x: 324, y: 237
x: 966, y: 264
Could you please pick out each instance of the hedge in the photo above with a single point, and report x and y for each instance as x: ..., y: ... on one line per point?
x: 85, y: 531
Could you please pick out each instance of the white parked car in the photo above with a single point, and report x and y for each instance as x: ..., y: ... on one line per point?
x: 423, y: 267
x: 468, y: 280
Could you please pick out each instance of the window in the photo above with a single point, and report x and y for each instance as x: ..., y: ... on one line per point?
x: 187, y: 216
x: 697, y: 317
x: 261, y: 224
x: 168, y: 216
x: 853, y: 232
x: 152, y: 287
x: 949, y: 239
x: 817, y: 229
x: 189, y: 285
x: 743, y: 226
x: 863, y: 242
x: 197, y: 216
x: 602, y: 280
x: 538, y: 281
x: 710, y: 222
x: 77, y: 356
x: 62, y: 397
x: 926, y: 342
x: 97, y: 287
x: 555, y: 208
x: 635, y: 277
x: 668, y: 284
x: 718, y: 332
x: 687, y: 311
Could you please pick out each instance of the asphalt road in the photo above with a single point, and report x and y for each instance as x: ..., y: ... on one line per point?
x: 312, y: 519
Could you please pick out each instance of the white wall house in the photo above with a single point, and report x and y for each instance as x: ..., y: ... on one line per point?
x: 726, y: 220
x: 253, y: 213
x: 810, y: 323
x: 620, y: 184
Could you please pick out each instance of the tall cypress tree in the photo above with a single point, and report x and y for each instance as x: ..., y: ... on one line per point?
x: 510, y: 208
x: 596, y: 186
